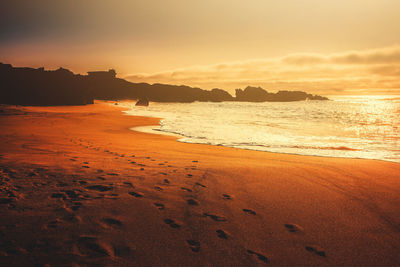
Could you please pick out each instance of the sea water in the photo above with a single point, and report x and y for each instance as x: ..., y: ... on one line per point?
x: 351, y: 126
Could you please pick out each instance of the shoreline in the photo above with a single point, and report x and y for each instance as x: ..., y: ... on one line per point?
x: 148, y: 129
x: 79, y: 186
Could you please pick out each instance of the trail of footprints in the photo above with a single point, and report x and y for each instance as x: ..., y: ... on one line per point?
x: 90, y: 245
x: 193, y: 244
x: 69, y: 200
x: 118, y: 156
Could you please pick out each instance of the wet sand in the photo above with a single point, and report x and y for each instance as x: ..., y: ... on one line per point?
x: 77, y: 187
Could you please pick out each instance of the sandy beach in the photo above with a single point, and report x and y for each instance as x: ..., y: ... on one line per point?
x: 78, y: 188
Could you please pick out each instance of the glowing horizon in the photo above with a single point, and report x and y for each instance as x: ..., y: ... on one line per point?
x: 322, y: 47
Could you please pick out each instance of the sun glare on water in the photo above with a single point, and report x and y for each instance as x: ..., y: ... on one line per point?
x: 347, y: 126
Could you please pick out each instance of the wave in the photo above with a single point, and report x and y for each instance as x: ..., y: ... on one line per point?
x: 365, y: 128
x: 328, y: 148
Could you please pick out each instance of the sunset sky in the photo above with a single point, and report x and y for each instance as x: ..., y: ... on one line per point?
x: 325, y: 47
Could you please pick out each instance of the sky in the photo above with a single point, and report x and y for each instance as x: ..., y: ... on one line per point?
x: 324, y: 47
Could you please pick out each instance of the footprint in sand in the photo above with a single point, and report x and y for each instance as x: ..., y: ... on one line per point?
x: 58, y: 195
x: 166, y: 181
x: 91, y: 247
x: 17, y: 187
x: 293, y: 228
x: 121, y: 251
x: 186, y: 189
x: 172, y: 223
x: 317, y: 250
x: 252, y: 212
x: 112, y: 222
x: 101, y: 188
x: 194, y: 245
x: 84, y: 166
x: 192, y: 202
x: 259, y: 256
x: 222, y: 234
x: 128, y: 184
x: 190, y: 175
x: 72, y: 194
x: 159, y: 206
x: 215, y: 217
x: 199, y: 184
x: 226, y: 196
x: 31, y: 174
x: 158, y: 188
x: 135, y: 194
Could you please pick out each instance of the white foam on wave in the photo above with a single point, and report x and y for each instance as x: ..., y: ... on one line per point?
x: 362, y: 127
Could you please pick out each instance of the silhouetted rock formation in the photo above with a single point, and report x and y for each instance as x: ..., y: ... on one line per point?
x: 253, y: 94
x: 257, y: 94
x: 116, y: 88
x: 142, y: 102
x: 29, y: 86
x: 38, y: 87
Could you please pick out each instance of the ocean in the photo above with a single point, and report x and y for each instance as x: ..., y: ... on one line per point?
x: 346, y: 126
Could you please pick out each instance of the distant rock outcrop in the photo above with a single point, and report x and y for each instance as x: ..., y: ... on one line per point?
x: 38, y: 87
x: 258, y: 94
x: 253, y: 94
x: 116, y: 88
x: 29, y: 86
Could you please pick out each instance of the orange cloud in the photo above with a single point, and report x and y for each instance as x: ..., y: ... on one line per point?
x: 366, y: 71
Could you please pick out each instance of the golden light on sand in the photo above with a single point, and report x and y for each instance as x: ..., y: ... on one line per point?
x: 81, y: 188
